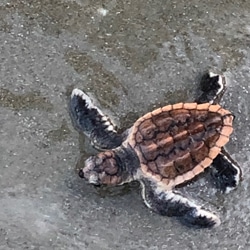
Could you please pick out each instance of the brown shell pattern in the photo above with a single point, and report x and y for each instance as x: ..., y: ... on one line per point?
x: 179, y: 141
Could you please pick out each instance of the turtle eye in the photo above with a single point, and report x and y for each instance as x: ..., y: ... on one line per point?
x: 81, y: 173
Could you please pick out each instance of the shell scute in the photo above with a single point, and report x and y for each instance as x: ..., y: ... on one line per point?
x: 156, y: 111
x: 206, y: 162
x: 203, y: 106
x: 166, y: 168
x: 163, y: 121
x: 148, y: 151
x: 198, y: 169
x: 178, y: 105
x: 164, y: 142
x: 167, y: 108
x: 200, y: 152
x: 213, y: 122
x: 177, y: 112
x: 222, y: 141
x: 138, y: 137
x: 152, y: 166
x: 214, y: 108
x: 195, y: 128
x: 147, y: 129
x: 211, y: 141
x: 200, y: 115
x: 228, y: 120
x: 181, y: 135
x: 183, y: 144
x: 213, y: 152
x: 190, y: 105
x: 183, y: 164
x: 226, y: 130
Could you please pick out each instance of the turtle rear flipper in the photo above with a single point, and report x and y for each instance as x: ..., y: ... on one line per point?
x: 228, y: 173
x: 171, y: 203
x: 213, y: 87
x: 90, y: 120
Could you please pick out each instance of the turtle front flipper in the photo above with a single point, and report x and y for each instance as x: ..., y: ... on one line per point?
x: 213, y: 87
x: 171, y: 203
x: 228, y: 173
x: 87, y: 118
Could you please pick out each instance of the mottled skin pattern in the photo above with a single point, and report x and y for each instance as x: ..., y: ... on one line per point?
x: 163, y: 149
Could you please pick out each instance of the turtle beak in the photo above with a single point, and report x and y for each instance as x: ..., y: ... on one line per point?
x: 90, y: 176
x: 88, y: 172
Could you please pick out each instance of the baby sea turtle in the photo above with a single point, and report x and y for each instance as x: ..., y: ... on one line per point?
x: 163, y: 149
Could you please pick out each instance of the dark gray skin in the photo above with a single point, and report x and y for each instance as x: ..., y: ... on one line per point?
x: 119, y: 163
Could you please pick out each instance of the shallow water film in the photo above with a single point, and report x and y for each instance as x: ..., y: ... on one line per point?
x: 131, y: 57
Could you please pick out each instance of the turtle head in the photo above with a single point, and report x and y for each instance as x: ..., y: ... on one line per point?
x: 101, y: 169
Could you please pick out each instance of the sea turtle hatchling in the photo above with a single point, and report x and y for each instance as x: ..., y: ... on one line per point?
x: 163, y: 149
